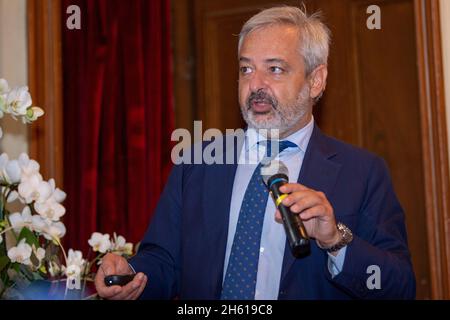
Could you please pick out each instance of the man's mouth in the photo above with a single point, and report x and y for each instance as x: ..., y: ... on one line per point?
x: 261, y: 106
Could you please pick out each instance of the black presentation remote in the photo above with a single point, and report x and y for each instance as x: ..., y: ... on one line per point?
x: 118, y: 279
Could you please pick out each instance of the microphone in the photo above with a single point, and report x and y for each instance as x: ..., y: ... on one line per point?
x: 275, y: 174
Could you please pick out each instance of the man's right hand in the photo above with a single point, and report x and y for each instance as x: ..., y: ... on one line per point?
x: 115, y: 264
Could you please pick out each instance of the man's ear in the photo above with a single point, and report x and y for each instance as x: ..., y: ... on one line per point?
x: 318, y: 81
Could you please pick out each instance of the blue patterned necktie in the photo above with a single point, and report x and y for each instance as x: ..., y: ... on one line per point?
x: 240, y: 278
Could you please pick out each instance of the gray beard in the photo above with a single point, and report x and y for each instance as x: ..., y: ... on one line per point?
x: 280, y: 117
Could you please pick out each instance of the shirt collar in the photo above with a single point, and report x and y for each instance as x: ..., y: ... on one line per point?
x: 300, y: 137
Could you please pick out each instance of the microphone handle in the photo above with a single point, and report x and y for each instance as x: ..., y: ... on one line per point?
x: 295, y: 230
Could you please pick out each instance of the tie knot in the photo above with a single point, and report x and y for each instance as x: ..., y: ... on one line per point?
x: 274, y: 147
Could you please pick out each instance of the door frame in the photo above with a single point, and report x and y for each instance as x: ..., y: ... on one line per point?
x: 46, y: 85
x: 435, y: 144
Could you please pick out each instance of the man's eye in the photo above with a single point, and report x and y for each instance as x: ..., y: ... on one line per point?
x: 276, y: 70
x: 245, y: 70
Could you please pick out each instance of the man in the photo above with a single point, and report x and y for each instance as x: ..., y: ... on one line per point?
x: 215, y: 235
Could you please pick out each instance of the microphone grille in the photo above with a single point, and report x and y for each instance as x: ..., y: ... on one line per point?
x: 272, y: 168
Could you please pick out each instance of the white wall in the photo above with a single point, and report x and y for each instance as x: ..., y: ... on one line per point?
x: 445, y: 29
x: 13, y: 68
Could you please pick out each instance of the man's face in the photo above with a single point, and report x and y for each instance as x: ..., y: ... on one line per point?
x: 273, y: 91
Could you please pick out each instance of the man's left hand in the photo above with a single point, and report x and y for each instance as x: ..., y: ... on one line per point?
x: 315, y: 211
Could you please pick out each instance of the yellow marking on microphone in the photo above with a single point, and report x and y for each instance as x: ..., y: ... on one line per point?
x: 280, y: 199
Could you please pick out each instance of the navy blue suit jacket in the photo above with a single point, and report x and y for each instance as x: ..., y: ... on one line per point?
x: 183, y: 250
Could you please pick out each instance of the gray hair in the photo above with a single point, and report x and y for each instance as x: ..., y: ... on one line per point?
x: 315, y: 35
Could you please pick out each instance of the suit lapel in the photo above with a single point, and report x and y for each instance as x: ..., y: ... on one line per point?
x: 318, y: 172
x: 218, y: 188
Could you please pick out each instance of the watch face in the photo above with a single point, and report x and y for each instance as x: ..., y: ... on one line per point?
x: 344, y: 228
x: 347, y: 237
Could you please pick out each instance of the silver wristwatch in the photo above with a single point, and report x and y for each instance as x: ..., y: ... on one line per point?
x: 346, y: 238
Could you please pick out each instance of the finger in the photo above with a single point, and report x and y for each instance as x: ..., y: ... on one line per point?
x: 109, y: 292
x: 124, y: 293
x: 138, y: 292
x: 292, y: 187
x: 123, y: 267
x: 296, y: 196
x: 278, y: 216
x: 108, y: 266
x: 127, y: 290
x: 130, y: 288
x: 302, y: 203
x: 102, y: 289
x: 314, y: 212
x: 99, y: 278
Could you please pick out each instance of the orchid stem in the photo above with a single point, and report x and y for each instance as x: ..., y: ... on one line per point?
x: 6, y: 230
x: 65, y: 258
x: 88, y: 268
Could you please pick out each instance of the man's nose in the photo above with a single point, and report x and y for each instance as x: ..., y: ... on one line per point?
x: 257, y: 82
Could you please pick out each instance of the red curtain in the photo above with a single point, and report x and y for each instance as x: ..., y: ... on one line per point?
x: 118, y: 116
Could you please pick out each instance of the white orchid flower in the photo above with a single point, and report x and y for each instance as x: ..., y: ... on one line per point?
x: 20, y: 220
x: 34, y: 189
x: 72, y: 271
x: 38, y: 223
x: 13, y: 195
x: 10, y: 171
x: 21, y: 253
x: 50, y: 230
x: 54, y: 230
x: 29, y: 167
x: 4, y: 159
x: 1, y: 116
x: 18, y: 100
x: 1, y: 238
x: 57, y: 194
x: 121, y: 246
x: 2, y: 106
x: 32, y: 114
x: 4, y: 87
x: 13, y: 171
x: 39, y: 254
x: 75, y: 263
x: 75, y: 257
x: 50, y: 209
x: 100, y: 242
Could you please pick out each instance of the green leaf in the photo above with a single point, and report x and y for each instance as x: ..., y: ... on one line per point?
x: 16, y: 266
x: 29, y: 237
x: 4, y: 261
